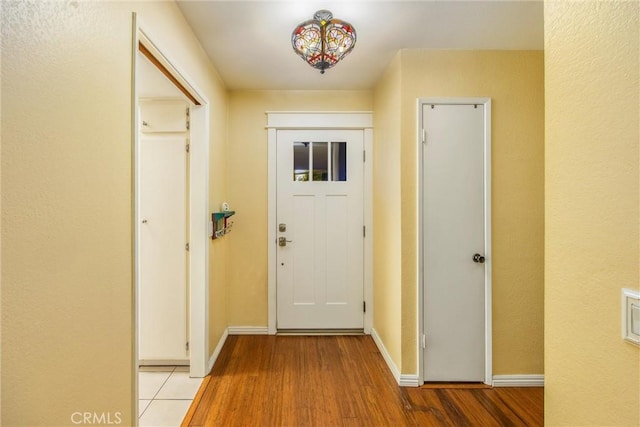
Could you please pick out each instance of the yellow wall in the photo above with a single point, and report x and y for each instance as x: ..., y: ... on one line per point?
x: 387, y: 309
x: 247, y: 167
x: 514, y: 82
x: 66, y: 212
x: 592, y: 377
x: 0, y: 232
x: 67, y: 285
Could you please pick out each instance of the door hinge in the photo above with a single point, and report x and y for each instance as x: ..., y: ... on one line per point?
x: 188, y: 120
x: 424, y: 341
x: 186, y: 346
x: 364, y: 231
x: 424, y: 136
x: 364, y: 306
x: 186, y: 247
x: 364, y: 156
x: 187, y: 147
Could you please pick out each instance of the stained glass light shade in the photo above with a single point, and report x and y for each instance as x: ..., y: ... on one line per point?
x: 323, y: 41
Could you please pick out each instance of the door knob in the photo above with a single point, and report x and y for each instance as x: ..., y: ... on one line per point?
x: 478, y: 258
x: 282, y: 241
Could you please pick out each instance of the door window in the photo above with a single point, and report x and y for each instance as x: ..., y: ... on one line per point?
x: 338, y: 161
x: 301, y: 161
x: 320, y: 162
x: 328, y: 161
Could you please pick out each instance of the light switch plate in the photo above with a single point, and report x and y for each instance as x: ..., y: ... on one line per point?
x: 631, y: 315
x: 635, y: 319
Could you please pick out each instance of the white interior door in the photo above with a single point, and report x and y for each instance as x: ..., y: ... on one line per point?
x: 163, y: 307
x: 454, y: 243
x: 320, y: 215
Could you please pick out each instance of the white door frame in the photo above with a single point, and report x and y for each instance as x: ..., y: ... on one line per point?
x: 198, y: 210
x: 486, y: 102
x: 362, y: 120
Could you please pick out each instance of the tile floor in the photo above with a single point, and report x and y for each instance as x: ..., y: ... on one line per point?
x: 165, y: 394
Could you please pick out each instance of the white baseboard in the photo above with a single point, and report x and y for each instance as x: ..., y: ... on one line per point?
x: 518, y: 381
x: 163, y: 362
x: 248, y: 330
x: 385, y: 355
x: 409, y: 380
x: 217, y: 350
x: 403, y: 380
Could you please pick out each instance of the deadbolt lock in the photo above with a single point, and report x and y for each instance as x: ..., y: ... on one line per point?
x: 282, y: 228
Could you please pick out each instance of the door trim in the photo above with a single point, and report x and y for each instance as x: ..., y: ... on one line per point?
x: 198, y: 204
x: 309, y: 120
x: 486, y: 102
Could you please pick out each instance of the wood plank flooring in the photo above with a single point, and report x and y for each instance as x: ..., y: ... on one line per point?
x: 340, y: 381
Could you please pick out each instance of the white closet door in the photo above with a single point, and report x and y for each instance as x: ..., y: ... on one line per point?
x: 454, y: 243
x: 162, y: 290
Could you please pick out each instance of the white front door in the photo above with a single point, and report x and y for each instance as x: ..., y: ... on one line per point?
x: 320, y: 219
x: 454, y: 242
x: 162, y: 299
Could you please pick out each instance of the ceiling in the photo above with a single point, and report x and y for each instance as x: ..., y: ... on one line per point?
x: 249, y: 42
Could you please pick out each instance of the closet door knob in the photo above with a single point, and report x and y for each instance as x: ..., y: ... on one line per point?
x: 478, y: 258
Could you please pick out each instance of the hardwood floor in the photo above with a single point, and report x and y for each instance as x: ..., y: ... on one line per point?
x: 340, y: 381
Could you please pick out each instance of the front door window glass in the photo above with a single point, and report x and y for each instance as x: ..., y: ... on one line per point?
x: 301, y: 161
x: 338, y: 161
x: 320, y: 161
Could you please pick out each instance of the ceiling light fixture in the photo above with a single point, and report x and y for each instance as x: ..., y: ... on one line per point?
x: 323, y: 41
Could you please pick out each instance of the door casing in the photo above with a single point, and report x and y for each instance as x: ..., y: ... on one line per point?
x: 198, y: 200
x: 486, y: 102
x: 361, y: 120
